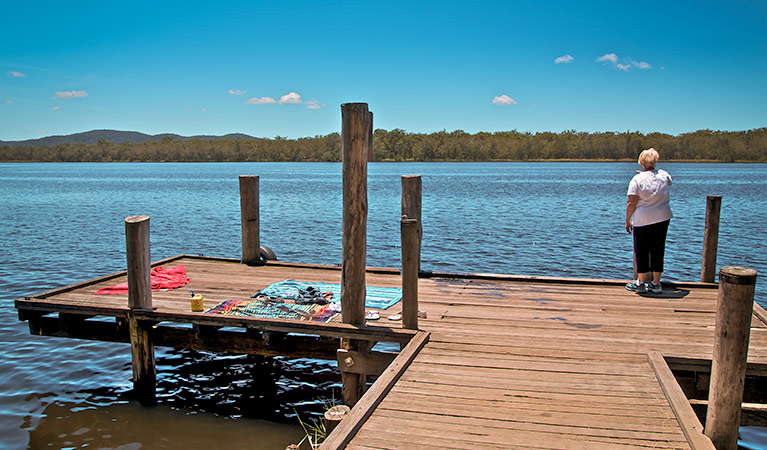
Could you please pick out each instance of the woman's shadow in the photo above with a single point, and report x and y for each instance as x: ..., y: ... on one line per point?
x: 670, y: 290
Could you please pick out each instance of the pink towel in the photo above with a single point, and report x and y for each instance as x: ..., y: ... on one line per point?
x: 161, y: 280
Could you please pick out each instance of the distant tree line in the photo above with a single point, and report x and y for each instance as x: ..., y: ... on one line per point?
x: 399, y: 145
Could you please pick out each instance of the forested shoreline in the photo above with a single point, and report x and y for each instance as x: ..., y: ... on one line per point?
x: 399, y: 145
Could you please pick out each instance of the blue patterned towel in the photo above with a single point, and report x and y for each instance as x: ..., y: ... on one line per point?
x: 376, y: 297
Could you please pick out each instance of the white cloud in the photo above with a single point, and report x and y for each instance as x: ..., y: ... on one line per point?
x: 70, y: 94
x: 9, y: 102
x: 642, y: 65
x: 626, y: 64
x: 56, y: 108
x: 261, y: 101
x: 504, y: 99
x: 564, y: 59
x: 290, y: 99
x: 17, y: 74
x: 608, y: 57
x: 313, y: 104
x: 237, y: 92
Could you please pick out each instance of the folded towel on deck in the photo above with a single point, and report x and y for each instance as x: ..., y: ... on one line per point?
x: 161, y: 280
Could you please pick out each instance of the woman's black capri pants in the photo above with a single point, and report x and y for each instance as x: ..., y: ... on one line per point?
x: 650, y: 246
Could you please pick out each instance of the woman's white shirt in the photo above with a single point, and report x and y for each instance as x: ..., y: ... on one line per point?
x: 652, y: 187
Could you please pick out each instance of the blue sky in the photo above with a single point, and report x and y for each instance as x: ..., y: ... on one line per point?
x: 283, y: 68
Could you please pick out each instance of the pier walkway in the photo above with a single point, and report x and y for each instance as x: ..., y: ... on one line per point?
x: 502, y: 361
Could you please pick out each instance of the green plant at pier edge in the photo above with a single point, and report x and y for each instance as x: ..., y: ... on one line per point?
x: 315, y: 431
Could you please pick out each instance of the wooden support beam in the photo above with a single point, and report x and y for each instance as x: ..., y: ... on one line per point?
x: 372, y: 363
x: 728, y: 370
x: 250, y: 219
x: 356, y: 138
x: 711, y: 238
x: 140, y: 298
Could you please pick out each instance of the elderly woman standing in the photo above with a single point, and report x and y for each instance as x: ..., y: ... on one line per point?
x: 648, y: 203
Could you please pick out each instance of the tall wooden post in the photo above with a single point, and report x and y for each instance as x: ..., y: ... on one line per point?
x: 355, y: 140
x: 249, y: 218
x: 140, y: 297
x: 410, y: 258
x: 711, y: 238
x: 735, y: 304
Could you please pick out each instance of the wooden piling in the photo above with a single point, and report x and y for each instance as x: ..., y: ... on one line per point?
x: 140, y: 298
x: 411, y: 205
x: 735, y: 303
x: 249, y: 218
x: 711, y: 238
x: 355, y: 141
x: 410, y: 259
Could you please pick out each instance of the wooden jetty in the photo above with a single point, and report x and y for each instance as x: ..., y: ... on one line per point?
x: 500, y: 361
x: 497, y: 361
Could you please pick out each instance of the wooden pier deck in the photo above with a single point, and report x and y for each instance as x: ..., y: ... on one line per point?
x: 500, y: 362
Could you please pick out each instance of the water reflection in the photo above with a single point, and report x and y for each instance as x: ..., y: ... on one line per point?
x: 127, y: 425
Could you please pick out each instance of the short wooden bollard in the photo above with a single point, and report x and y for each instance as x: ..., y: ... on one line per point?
x: 140, y: 297
x: 410, y: 257
x: 710, y: 238
x: 249, y: 219
x: 334, y: 416
x: 734, y: 310
x: 355, y: 141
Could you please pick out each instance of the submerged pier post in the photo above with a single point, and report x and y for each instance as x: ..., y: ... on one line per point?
x: 140, y: 297
x: 249, y: 218
x: 710, y: 238
x: 735, y: 304
x: 355, y: 142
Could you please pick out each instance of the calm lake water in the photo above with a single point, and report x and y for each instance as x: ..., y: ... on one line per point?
x: 63, y: 223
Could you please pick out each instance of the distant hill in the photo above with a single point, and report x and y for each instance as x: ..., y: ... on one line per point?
x: 115, y: 137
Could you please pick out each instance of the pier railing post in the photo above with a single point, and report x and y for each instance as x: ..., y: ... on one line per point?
x: 140, y: 297
x: 735, y: 304
x: 355, y: 140
x: 711, y: 238
x: 410, y: 258
x: 411, y: 205
x: 249, y: 218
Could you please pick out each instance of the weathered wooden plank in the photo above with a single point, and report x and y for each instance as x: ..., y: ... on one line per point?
x: 688, y: 420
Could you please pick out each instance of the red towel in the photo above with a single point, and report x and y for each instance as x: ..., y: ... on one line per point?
x: 161, y: 280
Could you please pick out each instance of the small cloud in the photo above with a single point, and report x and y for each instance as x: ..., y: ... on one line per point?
x: 237, y: 92
x: 313, y: 104
x: 8, y: 102
x: 564, y: 59
x: 56, y: 108
x: 17, y: 74
x: 70, y: 94
x: 504, y: 99
x: 626, y: 64
x: 261, y: 101
x: 642, y: 65
x: 203, y: 109
x: 608, y: 57
x: 290, y: 99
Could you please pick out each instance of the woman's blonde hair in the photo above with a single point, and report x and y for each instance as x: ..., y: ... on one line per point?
x: 648, y: 158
